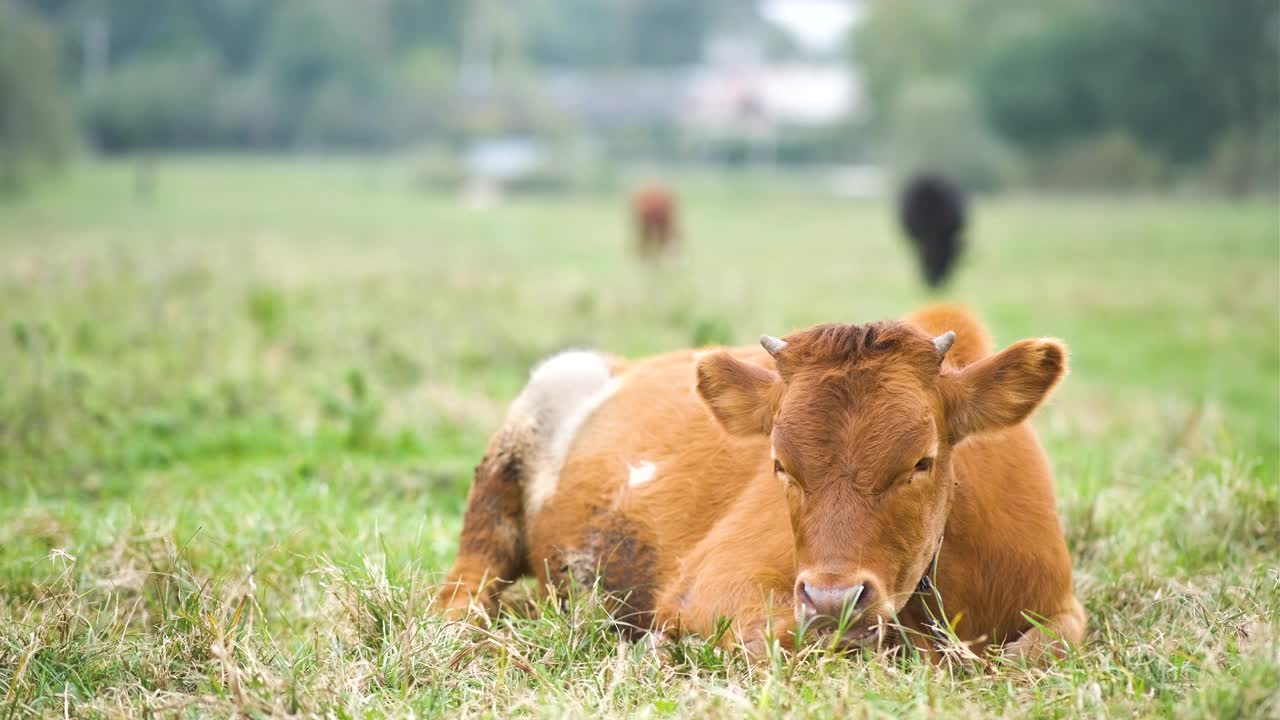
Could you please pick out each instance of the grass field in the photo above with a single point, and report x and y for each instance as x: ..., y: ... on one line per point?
x: 238, y: 419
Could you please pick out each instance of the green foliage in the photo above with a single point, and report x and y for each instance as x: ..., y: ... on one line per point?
x: 36, y: 130
x: 435, y: 24
x: 266, y: 309
x: 249, y: 113
x: 558, y: 42
x: 937, y: 125
x: 1112, y: 160
x: 1245, y: 160
x: 256, y: 73
x: 1036, y: 102
x: 328, y: 73
x: 666, y: 32
x: 1178, y: 78
x: 653, y: 33
x: 163, y: 101
x: 326, y: 60
x: 1153, y: 69
x: 902, y: 41
x: 357, y: 411
x: 710, y: 330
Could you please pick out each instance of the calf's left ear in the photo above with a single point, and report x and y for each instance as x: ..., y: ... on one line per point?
x: 1002, y: 390
x: 742, y: 396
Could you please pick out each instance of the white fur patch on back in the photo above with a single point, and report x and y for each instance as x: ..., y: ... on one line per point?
x: 561, y: 394
x: 642, y: 473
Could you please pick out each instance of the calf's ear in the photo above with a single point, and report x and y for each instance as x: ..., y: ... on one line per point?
x: 743, y: 397
x: 1002, y: 390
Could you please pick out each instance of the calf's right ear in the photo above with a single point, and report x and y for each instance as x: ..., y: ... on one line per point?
x: 742, y: 396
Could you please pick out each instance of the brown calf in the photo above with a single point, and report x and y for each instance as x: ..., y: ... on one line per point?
x: 820, y: 477
x: 653, y: 213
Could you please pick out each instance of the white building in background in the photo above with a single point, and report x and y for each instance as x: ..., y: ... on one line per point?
x: 739, y: 88
x: 770, y: 95
x: 788, y: 69
x: 740, y: 92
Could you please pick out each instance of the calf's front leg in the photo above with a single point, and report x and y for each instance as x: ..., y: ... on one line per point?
x: 1052, y: 638
x: 756, y: 618
x: 743, y: 573
x: 492, y: 549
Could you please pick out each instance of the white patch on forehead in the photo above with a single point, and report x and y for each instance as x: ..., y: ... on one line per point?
x: 641, y: 473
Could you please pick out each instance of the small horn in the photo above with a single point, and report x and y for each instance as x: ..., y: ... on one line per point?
x: 773, y: 344
x: 943, y: 342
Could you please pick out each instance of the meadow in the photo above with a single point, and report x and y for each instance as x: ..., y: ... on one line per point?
x: 239, y: 413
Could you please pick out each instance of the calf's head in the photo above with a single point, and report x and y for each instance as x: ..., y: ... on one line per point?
x: 862, y: 421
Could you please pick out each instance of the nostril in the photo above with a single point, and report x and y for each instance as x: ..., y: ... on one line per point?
x: 832, y: 601
x: 805, y: 600
x: 865, y: 595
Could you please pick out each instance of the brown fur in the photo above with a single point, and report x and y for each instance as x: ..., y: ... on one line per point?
x: 852, y: 412
x: 492, y: 551
x: 653, y: 214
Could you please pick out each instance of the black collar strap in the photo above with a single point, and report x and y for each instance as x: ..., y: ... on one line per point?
x: 925, y: 588
x: 926, y: 581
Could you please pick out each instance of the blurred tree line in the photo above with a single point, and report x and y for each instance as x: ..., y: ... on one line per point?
x: 265, y: 74
x: 255, y: 73
x: 994, y: 91
x: 1078, y: 92
x: 36, y: 130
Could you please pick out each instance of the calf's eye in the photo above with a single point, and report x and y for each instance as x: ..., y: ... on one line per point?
x: 924, y: 465
x: 777, y: 467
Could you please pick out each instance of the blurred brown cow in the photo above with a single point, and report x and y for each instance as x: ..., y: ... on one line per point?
x: 653, y: 212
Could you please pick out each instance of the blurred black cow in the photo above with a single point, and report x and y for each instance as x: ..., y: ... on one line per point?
x: 932, y: 211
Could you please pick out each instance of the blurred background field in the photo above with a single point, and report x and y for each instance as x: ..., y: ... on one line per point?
x: 270, y: 273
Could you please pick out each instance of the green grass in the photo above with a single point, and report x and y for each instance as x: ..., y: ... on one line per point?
x: 238, y: 420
